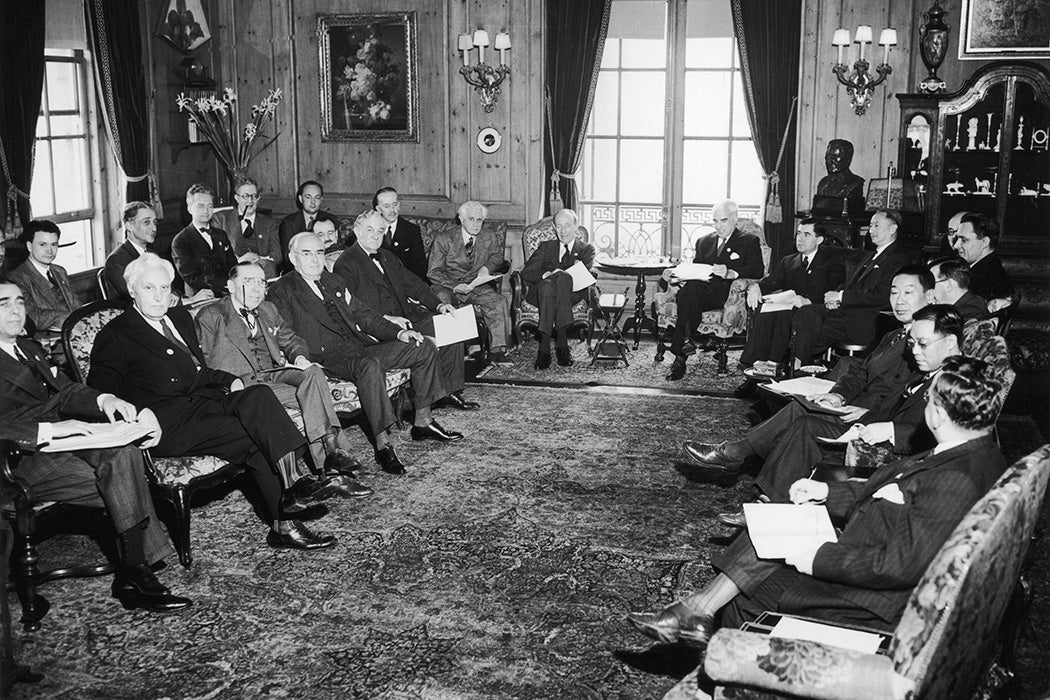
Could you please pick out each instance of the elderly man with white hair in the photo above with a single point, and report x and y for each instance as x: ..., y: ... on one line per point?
x: 461, y: 259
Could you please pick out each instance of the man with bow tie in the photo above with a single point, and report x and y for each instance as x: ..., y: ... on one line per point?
x: 733, y: 254
x: 252, y: 234
x: 893, y: 525
x: 550, y: 286
x: 201, y: 252
x: 49, y: 298
x: 243, y: 334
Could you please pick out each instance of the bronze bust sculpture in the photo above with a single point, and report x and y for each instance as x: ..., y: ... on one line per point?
x: 840, y: 182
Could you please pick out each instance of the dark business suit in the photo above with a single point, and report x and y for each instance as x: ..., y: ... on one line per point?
x: 228, y: 345
x: 741, y: 253
x: 202, y: 266
x: 868, y: 575
x: 116, y: 263
x: 196, y: 410
x: 264, y: 240
x: 450, y: 265
x: 290, y: 225
x: 113, y: 478
x: 407, y: 245
x: 988, y: 278
x: 338, y: 332
x: 398, y: 292
x: 47, y: 305
x: 815, y: 328
x: 554, y: 296
x: 770, y: 333
x: 971, y: 307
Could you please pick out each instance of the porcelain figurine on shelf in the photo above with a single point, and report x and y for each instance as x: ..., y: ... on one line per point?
x: 987, y: 145
x: 971, y: 133
x: 1020, y: 133
x: 1046, y: 190
x: 983, y: 186
x: 953, y: 188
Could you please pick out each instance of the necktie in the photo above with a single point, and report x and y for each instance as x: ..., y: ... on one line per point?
x: 33, y: 368
x: 378, y: 263
x: 470, y: 248
x: 249, y: 316
x: 249, y: 230
x: 914, y: 385
x: 566, y: 256
x: 52, y: 280
x: 721, y: 246
x: 175, y: 340
x: 389, y: 238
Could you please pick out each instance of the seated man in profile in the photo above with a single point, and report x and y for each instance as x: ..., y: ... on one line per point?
x: 952, y: 286
x: 550, y: 286
x: 892, y: 527
x: 38, y: 404
x: 202, y: 253
x: 49, y: 298
x: 461, y: 259
x: 975, y: 243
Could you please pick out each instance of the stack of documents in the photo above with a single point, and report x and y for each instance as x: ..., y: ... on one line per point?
x: 779, y: 301
x: 693, y: 271
x: 106, y: 435
x: 780, y: 529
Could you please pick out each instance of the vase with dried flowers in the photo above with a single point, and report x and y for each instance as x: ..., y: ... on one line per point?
x: 216, y: 120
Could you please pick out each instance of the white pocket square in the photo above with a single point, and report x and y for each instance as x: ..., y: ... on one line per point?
x: 734, y: 256
x: 891, y: 493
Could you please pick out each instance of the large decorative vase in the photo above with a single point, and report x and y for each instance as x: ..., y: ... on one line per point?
x: 933, y: 46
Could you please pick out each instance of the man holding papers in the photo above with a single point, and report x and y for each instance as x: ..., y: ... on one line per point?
x: 39, y: 405
x: 551, y: 287
x: 245, y: 335
x: 379, y: 279
x: 892, y: 527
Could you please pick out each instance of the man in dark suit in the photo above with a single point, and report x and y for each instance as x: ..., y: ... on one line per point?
x: 808, y: 273
x: 49, y: 298
x: 733, y: 254
x: 975, y: 242
x: 401, y: 237
x: 463, y: 255
x: 253, y: 235
x: 149, y: 355
x: 201, y: 252
x: 308, y: 200
x: 952, y: 286
x: 245, y: 335
x: 39, y: 404
x: 354, y: 342
x: 894, y: 525
x: 376, y: 277
x: 849, y: 313
x: 140, y: 229
x: 550, y: 287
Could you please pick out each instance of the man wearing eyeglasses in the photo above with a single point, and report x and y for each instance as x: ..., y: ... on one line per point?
x: 253, y: 234
x: 952, y: 286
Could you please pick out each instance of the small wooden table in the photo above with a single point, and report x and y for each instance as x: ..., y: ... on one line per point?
x: 639, y: 268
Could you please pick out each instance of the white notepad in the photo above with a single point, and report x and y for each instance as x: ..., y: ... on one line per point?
x: 780, y: 529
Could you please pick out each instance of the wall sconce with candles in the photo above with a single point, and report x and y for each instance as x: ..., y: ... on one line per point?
x: 486, y: 79
x: 859, y: 84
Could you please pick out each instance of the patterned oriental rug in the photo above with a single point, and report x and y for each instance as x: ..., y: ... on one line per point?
x: 500, y: 567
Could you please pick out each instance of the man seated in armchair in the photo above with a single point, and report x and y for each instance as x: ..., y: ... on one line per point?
x: 733, y: 254
x: 550, y: 286
x: 892, y: 527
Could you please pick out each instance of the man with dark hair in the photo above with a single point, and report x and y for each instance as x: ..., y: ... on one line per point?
x: 308, y: 200
x: 952, y: 286
x: 201, y: 252
x: 252, y: 234
x: 401, y: 237
x: 49, y: 298
x: 140, y: 230
x: 975, y: 243
x: 893, y: 525
x: 327, y: 229
x: 849, y: 313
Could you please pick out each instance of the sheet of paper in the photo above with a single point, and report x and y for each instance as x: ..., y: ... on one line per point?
x: 108, y: 435
x: 778, y: 529
x: 815, y: 407
x: 483, y: 279
x: 769, y: 307
x: 459, y: 326
x: 779, y: 297
x: 846, y: 437
x: 581, y: 276
x: 793, y: 628
x: 693, y: 271
x: 802, y: 386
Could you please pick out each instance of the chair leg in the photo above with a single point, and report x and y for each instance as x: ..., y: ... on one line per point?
x: 180, y: 502
x: 661, y: 344
x: 722, y: 355
x: 34, y: 606
x: 399, y: 407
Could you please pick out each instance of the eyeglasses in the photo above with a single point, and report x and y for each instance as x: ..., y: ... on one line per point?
x: 943, y: 279
x: 922, y: 344
x: 248, y: 196
x: 253, y: 282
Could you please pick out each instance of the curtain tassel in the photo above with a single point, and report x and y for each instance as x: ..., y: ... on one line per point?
x: 556, y: 203
x: 774, y: 212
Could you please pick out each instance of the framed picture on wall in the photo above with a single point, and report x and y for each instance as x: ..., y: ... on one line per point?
x: 1005, y: 29
x: 368, y: 78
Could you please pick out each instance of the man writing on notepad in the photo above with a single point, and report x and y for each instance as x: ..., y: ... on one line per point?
x: 550, y: 285
x: 892, y: 527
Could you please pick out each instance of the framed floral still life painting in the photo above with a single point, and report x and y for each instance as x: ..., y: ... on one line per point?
x: 368, y: 77
x: 1010, y: 29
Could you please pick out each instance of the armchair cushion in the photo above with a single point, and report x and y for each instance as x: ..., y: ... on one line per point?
x: 726, y: 322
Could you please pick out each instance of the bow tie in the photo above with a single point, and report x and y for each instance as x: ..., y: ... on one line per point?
x: 254, y: 313
x: 374, y: 256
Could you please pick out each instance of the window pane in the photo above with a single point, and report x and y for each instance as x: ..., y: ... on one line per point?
x: 644, y: 53
x: 598, y: 171
x: 606, y: 105
x: 746, y: 185
x: 641, y: 171
x: 704, y: 173
x: 709, y: 53
x: 62, y: 91
x: 40, y: 191
x: 77, y: 257
x: 707, y: 104
x: 611, y: 54
x: 642, y: 110
x: 71, y: 186
x: 741, y: 126
x: 66, y: 125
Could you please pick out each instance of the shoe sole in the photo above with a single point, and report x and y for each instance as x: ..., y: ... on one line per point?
x: 282, y: 545
x: 731, y: 523
x: 436, y: 439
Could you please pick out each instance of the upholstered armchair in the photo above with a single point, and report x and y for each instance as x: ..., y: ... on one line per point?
x: 525, y: 316
x: 728, y: 323
x: 945, y: 643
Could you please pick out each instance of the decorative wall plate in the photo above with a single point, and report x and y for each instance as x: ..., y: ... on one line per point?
x: 489, y: 139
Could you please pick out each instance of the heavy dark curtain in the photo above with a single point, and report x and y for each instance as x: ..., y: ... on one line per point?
x: 21, y: 80
x: 116, y: 42
x: 576, y: 31
x: 769, y: 33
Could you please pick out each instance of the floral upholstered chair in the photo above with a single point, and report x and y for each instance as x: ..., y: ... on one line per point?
x: 523, y: 314
x: 946, y: 640
x: 729, y: 322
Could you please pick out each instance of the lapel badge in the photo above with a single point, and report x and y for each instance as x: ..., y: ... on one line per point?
x: 273, y: 330
x: 346, y: 295
x: 170, y: 351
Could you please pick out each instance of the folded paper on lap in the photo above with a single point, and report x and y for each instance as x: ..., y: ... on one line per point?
x: 693, y: 271
x: 780, y: 529
x: 107, y: 435
x: 581, y: 276
x: 457, y: 327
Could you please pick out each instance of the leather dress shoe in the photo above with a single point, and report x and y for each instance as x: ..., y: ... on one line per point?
x: 435, y: 432
x: 564, y: 357
x: 344, y: 486
x: 456, y: 400
x: 734, y: 519
x: 543, y: 360
x: 137, y: 587
x: 298, y: 537
x: 713, y: 456
x: 499, y: 358
x: 389, y: 462
x: 675, y: 623
x: 302, y: 495
x: 677, y: 369
x: 339, y: 461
